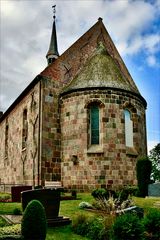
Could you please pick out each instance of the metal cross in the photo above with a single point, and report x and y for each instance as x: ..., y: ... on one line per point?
x: 54, y: 11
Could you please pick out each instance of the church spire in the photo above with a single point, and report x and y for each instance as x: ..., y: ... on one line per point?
x: 53, y: 48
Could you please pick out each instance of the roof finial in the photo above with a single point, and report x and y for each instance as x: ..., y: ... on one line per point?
x: 53, y: 48
x: 54, y: 11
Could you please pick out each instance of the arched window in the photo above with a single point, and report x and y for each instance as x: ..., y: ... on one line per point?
x: 25, y: 129
x: 6, y: 140
x: 94, y: 124
x: 128, y: 129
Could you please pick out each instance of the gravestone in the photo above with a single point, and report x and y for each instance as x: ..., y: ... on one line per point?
x: 50, y: 199
x: 154, y: 189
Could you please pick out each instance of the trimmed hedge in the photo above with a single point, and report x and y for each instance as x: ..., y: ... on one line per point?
x: 34, y: 221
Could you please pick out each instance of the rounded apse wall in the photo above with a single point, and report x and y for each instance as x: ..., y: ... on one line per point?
x: 103, y: 132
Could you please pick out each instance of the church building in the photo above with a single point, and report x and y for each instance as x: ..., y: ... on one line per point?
x: 80, y: 122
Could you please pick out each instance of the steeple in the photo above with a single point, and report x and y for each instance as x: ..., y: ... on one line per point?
x: 53, y: 48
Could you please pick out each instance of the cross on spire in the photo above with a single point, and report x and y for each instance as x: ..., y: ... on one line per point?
x: 52, y: 53
x: 54, y: 11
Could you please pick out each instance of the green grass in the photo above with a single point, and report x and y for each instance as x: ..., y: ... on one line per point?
x: 70, y: 209
x: 147, y: 203
x: 7, y: 208
x: 63, y: 233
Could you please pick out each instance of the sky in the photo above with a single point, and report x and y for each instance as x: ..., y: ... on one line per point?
x: 134, y: 26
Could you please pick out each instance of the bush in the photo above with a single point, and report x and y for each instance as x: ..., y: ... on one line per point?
x: 126, y: 192
x: 80, y: 224
x: 152, y: 224
x: 17, y: 211
x: 95, y: 229
x: 100, y: 193
x: 127, y: 227
x: 5, y: 197
x: 143, y: 170
x: 3, y: 222
x: 34, y: 221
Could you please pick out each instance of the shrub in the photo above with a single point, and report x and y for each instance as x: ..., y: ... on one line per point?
x: 127, y: 227
x: 143, y: 170
x: 17, y: 211
x: 95, y: 229
x: 152, y: 224
x: 3, y: 222
x: 100, y: 193
x: 80, y: 224
x: 34, y: 221
x: 126, y: 192
x: 5, y: 197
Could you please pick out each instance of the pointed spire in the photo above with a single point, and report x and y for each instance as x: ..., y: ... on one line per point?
x: 53, y: 48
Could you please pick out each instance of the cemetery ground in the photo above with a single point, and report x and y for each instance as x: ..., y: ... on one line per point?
x: 70, y: 208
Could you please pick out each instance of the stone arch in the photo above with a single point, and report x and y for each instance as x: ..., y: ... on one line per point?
x: 131, y: 108
x: 94, y: 101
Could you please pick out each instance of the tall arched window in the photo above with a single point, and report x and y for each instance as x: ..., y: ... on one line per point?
x: 128, y: 129
x: 25, y: 129
x: 94, y: 124
x: 6, y: 140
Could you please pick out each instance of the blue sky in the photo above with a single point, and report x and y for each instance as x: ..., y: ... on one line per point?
x: 25, y: 29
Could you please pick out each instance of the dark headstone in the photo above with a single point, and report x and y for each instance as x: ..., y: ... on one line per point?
x: 16, y: 192
x: 50, y: 199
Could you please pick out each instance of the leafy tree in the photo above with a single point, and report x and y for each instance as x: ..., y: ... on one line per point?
x: 155, y: 158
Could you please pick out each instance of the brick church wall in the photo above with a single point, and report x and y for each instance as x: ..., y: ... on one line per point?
x: 18, y: 166
x: 51, y: 135
x: 111, y: 164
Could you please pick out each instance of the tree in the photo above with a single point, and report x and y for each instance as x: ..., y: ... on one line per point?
x: 143, y: 170
x: 154, y: 156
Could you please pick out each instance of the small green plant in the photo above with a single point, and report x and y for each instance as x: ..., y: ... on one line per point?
x: 3, y: 222
x: 143, y: 170
x: 34, y: 221
x: 80, y: 224
x: 10, y: 230
x: 17, y: 211
x: 95, y: 229
x: 152, y: 224
x: 127, y: 227
x: 5, y: 197
x: 100, y: 193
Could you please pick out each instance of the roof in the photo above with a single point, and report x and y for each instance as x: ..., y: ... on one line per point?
x: 72, y: 66
x: 53, y: 47
x: 100, y: 71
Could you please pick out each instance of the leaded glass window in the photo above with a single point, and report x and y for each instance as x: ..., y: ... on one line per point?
x: 94, y: 124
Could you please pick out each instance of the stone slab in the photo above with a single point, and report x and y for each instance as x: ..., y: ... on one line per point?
x: 154, y: 190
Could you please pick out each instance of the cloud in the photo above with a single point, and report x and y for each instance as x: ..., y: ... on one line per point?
x: 26, y: 30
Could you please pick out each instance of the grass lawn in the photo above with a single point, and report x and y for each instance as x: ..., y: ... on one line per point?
x: 69, y: 208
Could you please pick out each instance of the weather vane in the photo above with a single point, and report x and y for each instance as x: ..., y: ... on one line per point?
x: 54, y: 11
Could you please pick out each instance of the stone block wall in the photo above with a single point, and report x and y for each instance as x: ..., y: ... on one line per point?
x: 111, y: 163
x: 19, y: 167
x: 51, y: 135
